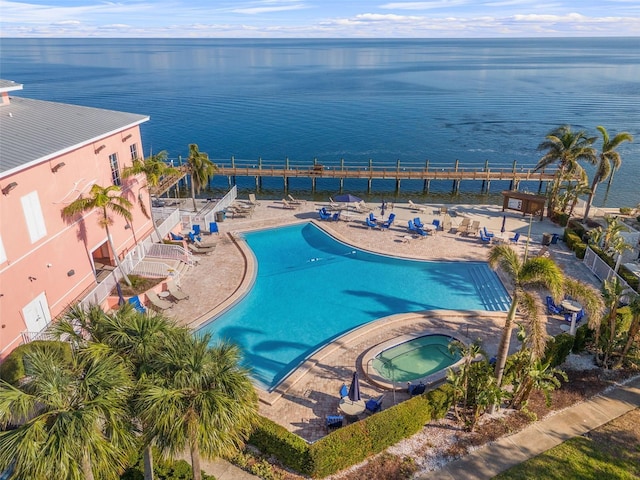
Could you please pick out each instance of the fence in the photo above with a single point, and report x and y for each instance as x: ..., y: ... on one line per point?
x: 208, y: 215
x: 604, y: 272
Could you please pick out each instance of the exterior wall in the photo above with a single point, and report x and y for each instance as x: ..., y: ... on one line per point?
x: 60, y: 264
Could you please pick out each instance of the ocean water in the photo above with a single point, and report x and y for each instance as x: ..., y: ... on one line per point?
x: 385, y: 100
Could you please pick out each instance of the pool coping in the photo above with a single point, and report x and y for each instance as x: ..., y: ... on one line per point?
x: 428, y: 380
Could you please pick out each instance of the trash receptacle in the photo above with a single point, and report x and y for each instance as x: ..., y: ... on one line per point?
x: 220, y: 216
x: 546, y: 239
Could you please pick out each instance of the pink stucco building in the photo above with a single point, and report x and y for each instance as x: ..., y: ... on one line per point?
x: 50, y: 154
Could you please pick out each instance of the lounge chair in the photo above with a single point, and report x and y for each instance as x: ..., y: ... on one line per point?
x: 176, y: 292
x: 444, y: 210
x: 193, y: 238
x: 213, y: 228
x: 487, y: 233
x: 135, y: 301
x: 370, y: 224
x: 374, y: 405
x: 418, y: 223
x: 334, y: 205
x: 335, y: 217
x: 252, y: 199
x: 344, y: 390
x: 334, y: 422
x: 414, y: 206
x: 295, y: 201
x: 515, y: 238
x: 464, y: 225
x: 416, y: 389
x: 389, y: 222
x: 436, y: 223
x: 157, y: 303
x: 579, y: 316
x: 195, y: 229
x: 475, y: 227
x: 411, y: 225
x: 552, y: 308
x: 372, y: 217
x: 324, y: 215
x: 484, y: 238
x: 201, y: 250
x: 288, y: 205
x: 362, y: 207
x: 175, y: 237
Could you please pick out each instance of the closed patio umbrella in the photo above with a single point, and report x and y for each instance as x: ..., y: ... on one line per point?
x: 354, y: 388
x: 121, y: 300
x: 504, y: 223
x: 347, y: 198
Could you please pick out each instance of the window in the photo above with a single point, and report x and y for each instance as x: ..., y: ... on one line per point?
x: 33, y: 216
x: 3, y: 254
x: 115, y: 170
x: 134, y: 151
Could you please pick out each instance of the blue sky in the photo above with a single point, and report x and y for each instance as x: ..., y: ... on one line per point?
x: 319, y: 18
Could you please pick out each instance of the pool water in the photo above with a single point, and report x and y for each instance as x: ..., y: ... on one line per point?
x: 310, y: 289
x: 415, y: 358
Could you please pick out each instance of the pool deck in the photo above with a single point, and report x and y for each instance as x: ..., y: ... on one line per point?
x: 301, y: 402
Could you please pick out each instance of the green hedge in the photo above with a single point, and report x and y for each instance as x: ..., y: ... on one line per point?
x: 354, y: 443
x: 12, y: 368
x: 575, y: 243
x: 583, y: 334
x: 559, y: 349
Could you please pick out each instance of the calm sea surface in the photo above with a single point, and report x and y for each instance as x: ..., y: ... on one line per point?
x: 385, y: 100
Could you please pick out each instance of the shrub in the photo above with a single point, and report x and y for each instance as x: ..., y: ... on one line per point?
x: 559, y: 349
x: 583, y: 334
x: 575, y: 243
x: 562, y: 218
x: 12, y: 369
x: 163, y: 469
x: 576, y: 227
x: 626, y: 210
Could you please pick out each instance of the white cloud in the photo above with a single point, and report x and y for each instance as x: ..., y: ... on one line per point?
x: 424, y: 5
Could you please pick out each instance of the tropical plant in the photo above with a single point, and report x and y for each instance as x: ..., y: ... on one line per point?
x: 529, y: 375
x: 612, y: 292
x: 107, y: 200
x: 154, y: 168
x: 566, y: 148
x: 569, y: 197
x: 590, y: 299
x: 633, y: 331
x: 534, y: 272
x: 199, y: 398
x: 200, y: 170
x: 610, y: 161
x: 70, y: 418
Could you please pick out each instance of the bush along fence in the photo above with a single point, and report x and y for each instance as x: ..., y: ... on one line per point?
x: 354, y: 443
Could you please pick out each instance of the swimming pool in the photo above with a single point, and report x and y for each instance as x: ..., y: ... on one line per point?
x: 415, y: 359
x: 310, y: 289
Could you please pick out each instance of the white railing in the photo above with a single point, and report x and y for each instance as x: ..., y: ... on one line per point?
x: 148, y: 268
x: 171, y: 252
x: 208, y: 215
x: 603, y: 271
x: 169, y: 224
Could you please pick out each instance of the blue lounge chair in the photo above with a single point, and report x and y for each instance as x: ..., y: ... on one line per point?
x: 552, y: 308
x: 370, y: 224
x: 135, y: 301
x: 487, y: 233
x: 344, y: 391
x: 515, y: 238
x: 374, y: 405
x: 324, y: 215
x: 195, y: 229
x: 193, y: 238
x: 336, y: 217
x: 333, y: 422
x: 175, y: 237
x: 436, y: 223
x: 554, y: 239
x: 422, y: 233
x: 418, y: 223
x: 416, y: 389
x: 213, y: 228
x: 372, y: 217
x: 412, y: 226
x: 484, y: 238
x: 389, y: 222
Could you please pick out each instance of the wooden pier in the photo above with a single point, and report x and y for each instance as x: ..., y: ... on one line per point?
x: 425, y: 172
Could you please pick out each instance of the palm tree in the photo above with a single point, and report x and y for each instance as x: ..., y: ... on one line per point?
x: 571, y: 194
x: 566, y: 148
x: 200, y: 398
x: 634, y: 328
x: 107, y: 200
x: 71, y: 417
x: 612, y: 292
x: 154, y: 168
x: 610, y: 161
x: 200, y: 169
x: 534, y: 272
x: 590, y: 299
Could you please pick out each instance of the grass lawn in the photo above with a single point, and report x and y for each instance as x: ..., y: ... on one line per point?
x: 609, y: 452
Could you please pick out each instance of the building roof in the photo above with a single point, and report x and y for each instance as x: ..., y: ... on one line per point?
x: 9, y: 86
x: 33, y: 131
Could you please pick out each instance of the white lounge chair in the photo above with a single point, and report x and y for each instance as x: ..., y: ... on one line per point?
x: 288, y: 205
x: 252, y: 199
x: 175, y: 291
x: 295, y: 201
x: 156, y: 302
x: 414, y: 206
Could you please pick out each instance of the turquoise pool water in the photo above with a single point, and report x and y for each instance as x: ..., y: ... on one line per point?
x: 415, y: 358
x: 310, y: 289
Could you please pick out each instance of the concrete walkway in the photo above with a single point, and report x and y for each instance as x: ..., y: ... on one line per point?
x: 490, y: 460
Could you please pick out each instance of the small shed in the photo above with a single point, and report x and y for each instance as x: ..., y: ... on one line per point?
x: 524, y: 202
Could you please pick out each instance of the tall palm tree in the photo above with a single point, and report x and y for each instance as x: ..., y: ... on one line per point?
x: 202, y: 399
x: 71, y: 418
x: 610, y: 161
x: 612, y: 292
x: 200, y: 169
x: 566, y: 148
x: 534, y: 272
x: 107, y: 200
x: 154, y: 168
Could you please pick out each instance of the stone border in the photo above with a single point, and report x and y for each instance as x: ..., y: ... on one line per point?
x: 382, y: 382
